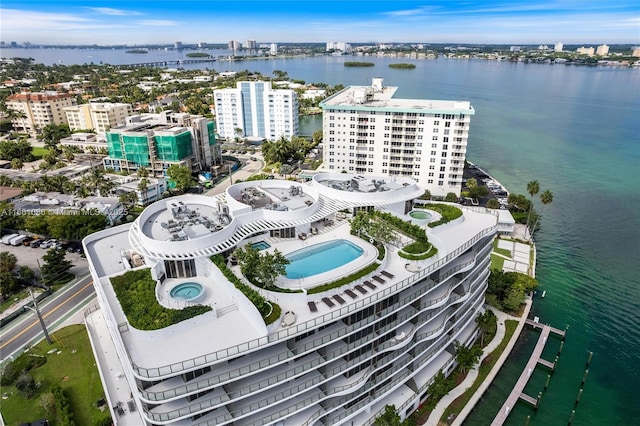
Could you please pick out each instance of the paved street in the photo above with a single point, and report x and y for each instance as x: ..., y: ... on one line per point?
x: 26, y: 330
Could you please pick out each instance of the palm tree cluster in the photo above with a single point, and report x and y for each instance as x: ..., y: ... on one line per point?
x: 283, y: 150
x: 533, y: 187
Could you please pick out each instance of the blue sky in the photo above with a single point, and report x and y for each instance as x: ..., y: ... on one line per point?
x: 431, y: 21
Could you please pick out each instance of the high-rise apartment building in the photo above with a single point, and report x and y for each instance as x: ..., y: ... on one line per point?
x: 251, y: 44
x: 589, y: 51
x: 157, y: 141
x: 97, y: 116
x: 38, y: 109
x: 367, y: 130
x: 558, y: 47
x: 255, y: 109
x: 328, y: 355
x: 273, y: 49
x: 234, y: 45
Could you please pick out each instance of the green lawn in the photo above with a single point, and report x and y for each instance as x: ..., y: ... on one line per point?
x: 497, y: 262
x: 73, y: 369
x: 39, y: 152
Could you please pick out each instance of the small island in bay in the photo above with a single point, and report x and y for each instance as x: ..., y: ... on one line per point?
x: 402, y: 66
x: 198, y: 55
x: 358, y: 64
x: 137, y: 51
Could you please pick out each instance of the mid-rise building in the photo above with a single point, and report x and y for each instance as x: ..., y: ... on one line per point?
x: 602, y: 50
x: 369, y: 131
x: 589, y: 51
x: 328, y: 355
x: 157, y: 141
x: 635, y: 52
x: 558, y: 47
x: 97, y: 116
x: 273, y: 49
x: 35, y: 110
x: 254, y: 109
x: 251, y: 44
x: 338, y: 45
x: 234, y: 45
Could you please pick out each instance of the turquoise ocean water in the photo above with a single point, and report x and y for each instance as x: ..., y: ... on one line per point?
x: 577, y: 131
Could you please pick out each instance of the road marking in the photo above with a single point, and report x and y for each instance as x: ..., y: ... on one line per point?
x: 44, y: 316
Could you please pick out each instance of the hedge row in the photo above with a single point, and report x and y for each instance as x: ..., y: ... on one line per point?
x: 253, y: 296
x: 343, y: 281
x: 136, y: 292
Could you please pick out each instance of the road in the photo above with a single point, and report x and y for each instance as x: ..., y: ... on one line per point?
x: 25, y: 331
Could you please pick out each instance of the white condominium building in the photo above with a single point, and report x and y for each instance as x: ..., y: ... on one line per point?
x: 316, y: 354
x: 98, y: 116
x: 255, y: 109
x: 36, y: 110
x: 368, y: 131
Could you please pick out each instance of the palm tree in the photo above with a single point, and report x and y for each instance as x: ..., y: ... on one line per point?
x: 143, y: 186
x: 545, y: 198
x: 533, y: 187
x: 486, y: 323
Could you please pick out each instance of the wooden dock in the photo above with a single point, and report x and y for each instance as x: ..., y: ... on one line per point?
x: 535, y: 359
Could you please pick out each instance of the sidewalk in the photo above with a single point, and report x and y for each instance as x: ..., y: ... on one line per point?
x: 437, y: 413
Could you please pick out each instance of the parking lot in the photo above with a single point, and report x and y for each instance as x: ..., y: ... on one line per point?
x: 32, y: 257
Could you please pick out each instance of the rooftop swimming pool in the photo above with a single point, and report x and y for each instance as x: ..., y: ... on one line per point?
x: 322, y: 257
x: 260, y: 245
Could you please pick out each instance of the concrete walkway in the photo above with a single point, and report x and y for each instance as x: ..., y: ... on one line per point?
x: 437, y: 413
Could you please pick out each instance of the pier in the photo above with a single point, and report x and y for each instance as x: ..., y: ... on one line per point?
x: 535, y: 359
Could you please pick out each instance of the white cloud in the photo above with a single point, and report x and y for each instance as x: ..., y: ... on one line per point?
x: 158, y: 23
x: 114, y: 12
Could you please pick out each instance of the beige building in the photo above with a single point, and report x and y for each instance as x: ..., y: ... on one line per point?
x: 99, y: 116
x: 38, y: 109
x: 589, y: 51
x: 602, y: 50
x: 635, y: 52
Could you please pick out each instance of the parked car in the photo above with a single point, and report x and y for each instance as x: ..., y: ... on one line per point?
x: 35, y: 243
x: 27, y: 241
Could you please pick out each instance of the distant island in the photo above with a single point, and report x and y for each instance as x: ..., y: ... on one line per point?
x: 137, y: 51
x: 198, y: 55
x: 358, y: 64
x: 403, y: 66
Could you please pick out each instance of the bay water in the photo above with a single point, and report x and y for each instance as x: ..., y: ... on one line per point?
x: 574, y: 129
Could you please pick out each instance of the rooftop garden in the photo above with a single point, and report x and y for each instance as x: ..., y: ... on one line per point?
x: 385, y: 227
x: 135, y: 291
x: 270, y: 311
x: 447, y: 212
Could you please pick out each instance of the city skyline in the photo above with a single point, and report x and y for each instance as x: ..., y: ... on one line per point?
x: 497, y: 21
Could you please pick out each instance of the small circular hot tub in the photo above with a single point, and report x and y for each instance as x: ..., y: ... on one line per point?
x: 189, y: 292
x: 420, y: 217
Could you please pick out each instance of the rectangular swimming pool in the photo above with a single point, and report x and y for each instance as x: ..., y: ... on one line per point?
x: 322, y: 257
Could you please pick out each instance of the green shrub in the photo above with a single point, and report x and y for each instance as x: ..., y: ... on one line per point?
x: 136, y: 293
x: 418, y: 247
x: 63, y: 408
x: 343, y: 281
x: 25, y: 362
x: 423, y: 256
